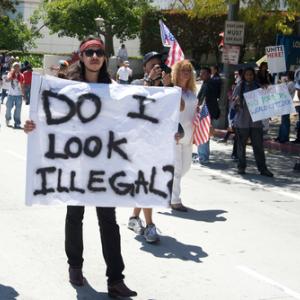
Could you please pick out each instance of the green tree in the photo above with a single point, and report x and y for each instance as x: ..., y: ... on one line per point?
x: 15, y: 34
x: 7, y: 5
x: 76, y: 18
x: 284, y: 18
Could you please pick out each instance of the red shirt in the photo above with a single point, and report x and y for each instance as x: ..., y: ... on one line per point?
x: 27, y: 77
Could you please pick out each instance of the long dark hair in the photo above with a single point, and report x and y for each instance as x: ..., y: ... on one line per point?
x: 254, y: 84
x: 77, y: 70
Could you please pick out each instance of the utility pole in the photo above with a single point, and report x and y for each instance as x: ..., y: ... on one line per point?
x: 233, y: 10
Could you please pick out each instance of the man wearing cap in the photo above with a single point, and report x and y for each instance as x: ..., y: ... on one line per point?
x: 153, y: 76
x: 124, y: 73
x: 15, y: 93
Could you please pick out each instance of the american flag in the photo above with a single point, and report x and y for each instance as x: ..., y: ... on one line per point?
x: 202, y: 126
x: 168, y: 40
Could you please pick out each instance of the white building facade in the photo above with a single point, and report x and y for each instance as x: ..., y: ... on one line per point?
x: 55, y: 44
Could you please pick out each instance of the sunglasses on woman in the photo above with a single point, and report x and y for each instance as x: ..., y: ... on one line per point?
x: 90, y: 52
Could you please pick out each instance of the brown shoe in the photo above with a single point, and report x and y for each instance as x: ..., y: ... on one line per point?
x: 120, y: 290
x: 75, y: 276
x: 179, y: 207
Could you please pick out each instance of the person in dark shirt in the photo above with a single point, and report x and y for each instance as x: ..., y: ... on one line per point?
x: 209, y: 96
x: 263, y: 77
x: 216, y: 80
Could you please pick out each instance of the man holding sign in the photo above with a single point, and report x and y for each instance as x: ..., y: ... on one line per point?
x: 92, y: 68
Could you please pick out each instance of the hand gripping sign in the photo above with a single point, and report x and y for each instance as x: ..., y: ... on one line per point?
x: 101, y: 144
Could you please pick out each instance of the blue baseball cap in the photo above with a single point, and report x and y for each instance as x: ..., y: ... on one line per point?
x: 151, y: 55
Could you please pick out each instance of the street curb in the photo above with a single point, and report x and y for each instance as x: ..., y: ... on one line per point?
x: 269, y: 144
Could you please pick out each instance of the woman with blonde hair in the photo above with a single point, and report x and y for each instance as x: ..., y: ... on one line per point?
x: 183, y: 75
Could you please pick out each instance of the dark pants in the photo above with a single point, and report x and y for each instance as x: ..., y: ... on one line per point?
x: 110, y: 239
x: 284, y: 129
x: 256, y: 136
x: 123, y: 81
x: 298, y: 124
x: 234, y: 149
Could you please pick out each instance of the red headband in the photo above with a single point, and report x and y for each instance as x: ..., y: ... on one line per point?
x: 90, y: 44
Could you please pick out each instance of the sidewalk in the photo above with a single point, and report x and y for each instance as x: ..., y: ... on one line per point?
x: 270, y: 143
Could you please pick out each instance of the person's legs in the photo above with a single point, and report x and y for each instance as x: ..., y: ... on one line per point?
x: 111, y: 249
x: 9, y: 106
x: 242, y: 136
x: 73, y: 236
x: 136, y: 212
x: 234, y: 149
x: 298, y: 129
x: 185, y: 161
x: 135, y: 223
x: 150, y: 232
x: 148, y: 215
x: 284, y: 129
x: 256, y: 135
x: 17, y: 113
x: 3, y: 95
x: 27, y: 93
x: 111, y: 244
x: 177, y: 175
x: 203, y: 152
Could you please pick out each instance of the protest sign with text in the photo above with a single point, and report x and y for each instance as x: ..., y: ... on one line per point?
x: 231, y: 54
x: 101, y: 144
x: 272, y: 101
x: 276, y: 59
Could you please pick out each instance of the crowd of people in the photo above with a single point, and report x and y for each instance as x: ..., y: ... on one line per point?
x: 15, y: 85
x: 92, y: 68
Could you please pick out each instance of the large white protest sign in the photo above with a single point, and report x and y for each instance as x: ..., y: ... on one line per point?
x: 276, y: 59
x: 101, y: 144
x: 273, y: 101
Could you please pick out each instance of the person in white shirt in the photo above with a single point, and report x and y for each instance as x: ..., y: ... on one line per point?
x: 15, y: 94
x: 124, y: 73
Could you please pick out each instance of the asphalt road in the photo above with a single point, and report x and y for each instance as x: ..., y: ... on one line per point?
x: 239, y: 240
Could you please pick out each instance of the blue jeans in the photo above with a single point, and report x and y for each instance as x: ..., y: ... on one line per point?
x: 11, y: 102
x: 203, y: 152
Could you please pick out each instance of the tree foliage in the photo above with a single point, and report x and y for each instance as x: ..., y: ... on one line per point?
x: 76, y: 18
x: 7, y: 5
x: 281, y: 13
x: 15, y: 34
x: 201, y: 38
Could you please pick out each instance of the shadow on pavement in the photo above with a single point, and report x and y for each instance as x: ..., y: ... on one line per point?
x: 169, y: 247
x: 209, y: 216
x: 87, y: 292
x: 8, y: 293
x: 278, y: 163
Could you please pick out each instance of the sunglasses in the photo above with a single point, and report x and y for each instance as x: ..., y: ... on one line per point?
x: 186, y: 70
x: 90, y: 52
